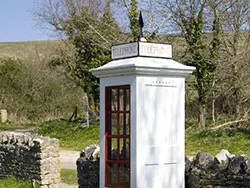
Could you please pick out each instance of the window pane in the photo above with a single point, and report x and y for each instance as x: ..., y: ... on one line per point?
x: 127, y: 99
x: 124, y: 124
x: 112, y: 148
x: 112, y: 174
x: 124, y: 171
x: 109, y: 97
x: 121, y: 98
x: 124, y: 149
x: 114, y: 99
x: 114, y: 124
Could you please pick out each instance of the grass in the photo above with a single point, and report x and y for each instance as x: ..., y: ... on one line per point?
x: 69, y: 176
x: 71, y: 135
x: 9, y: 126
x: 22, y: 49
x: 12, y: 182
x: 236, y: 141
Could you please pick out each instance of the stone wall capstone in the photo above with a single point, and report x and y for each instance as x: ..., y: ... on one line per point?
x: 30, y: 157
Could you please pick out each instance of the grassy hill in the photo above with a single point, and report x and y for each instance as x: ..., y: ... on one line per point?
x: 28, y: 48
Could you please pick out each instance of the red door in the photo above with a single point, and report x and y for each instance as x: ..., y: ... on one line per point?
x: 117, y: 137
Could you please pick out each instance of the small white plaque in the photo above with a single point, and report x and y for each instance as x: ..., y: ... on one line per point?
x: 124, y: 50
x: 155, y: 50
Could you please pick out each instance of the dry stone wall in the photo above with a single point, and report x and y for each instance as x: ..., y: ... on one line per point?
x: 30, y: 158
x: 204, y: 171
x: 88, y: 167
x: 221, y: 171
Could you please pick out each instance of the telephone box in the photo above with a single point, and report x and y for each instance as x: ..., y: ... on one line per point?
x: 142, y: 118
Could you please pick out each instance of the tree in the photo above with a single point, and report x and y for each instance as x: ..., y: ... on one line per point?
x: 191, y: 19
x: 133, y: 17
x: 90, y: 30
x: 235, y: 17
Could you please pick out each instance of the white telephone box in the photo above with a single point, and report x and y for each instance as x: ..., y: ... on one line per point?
x: 142, y: 98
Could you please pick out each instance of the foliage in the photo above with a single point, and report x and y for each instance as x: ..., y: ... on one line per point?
x: 133, y: 17
x: 236, y: 141
x: 69, y: 176
x: 8, y: 126
x: 71, y: 135
x: 12, y: 182
x: 192, y: 26
x: 90, y: 30
x: 30, y: 91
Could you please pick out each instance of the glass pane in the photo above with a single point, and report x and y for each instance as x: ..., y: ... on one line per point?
x: 124, y: 124
x: 112, y: 148
x: 114, y: 99
x: 114, y: 124
x: 121, y: 98
x: 112, y: 174
x: 127, y: 99
x: 109, y: 96
x: 124, y: 171
x: 124, y: 149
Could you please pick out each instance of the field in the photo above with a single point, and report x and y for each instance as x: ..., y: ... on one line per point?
x: 25, y: 49
x: 73, y: 137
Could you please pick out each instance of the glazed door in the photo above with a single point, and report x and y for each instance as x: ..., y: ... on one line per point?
x: 117, y: 137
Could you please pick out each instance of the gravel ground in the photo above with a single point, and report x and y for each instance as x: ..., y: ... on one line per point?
x: 68, y: 161
x: 63, y: 185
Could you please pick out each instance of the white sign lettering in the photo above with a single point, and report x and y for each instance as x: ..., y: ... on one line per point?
x: 142, y: 49
x: 155, y: 50
x: 125, y: 50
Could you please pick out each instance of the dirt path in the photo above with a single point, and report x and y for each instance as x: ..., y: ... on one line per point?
x: 68, y: 159
x: 63, y: 185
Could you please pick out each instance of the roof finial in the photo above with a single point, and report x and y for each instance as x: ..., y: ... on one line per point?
x: 141, y: 25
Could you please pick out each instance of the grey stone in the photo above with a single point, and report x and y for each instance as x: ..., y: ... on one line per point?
x: 222, y: 159
x: 204, y: 174
x: 204, y: 160
x: 238, y: 165
x: 30, y: 158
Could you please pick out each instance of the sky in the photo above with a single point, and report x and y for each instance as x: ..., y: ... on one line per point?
x: 17, y: 22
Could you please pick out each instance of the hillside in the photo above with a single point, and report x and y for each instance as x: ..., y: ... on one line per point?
x: 26, y: 49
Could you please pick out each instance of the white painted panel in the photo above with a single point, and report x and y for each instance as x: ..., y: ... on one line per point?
x: 160, y: 132
x: 160, y: 176
x: 160, y: 155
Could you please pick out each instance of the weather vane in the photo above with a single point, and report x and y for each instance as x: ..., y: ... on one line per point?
x: 141, y: 25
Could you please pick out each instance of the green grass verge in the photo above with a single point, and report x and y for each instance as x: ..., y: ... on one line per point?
x: 9, y: 126
x: 69, y: 176
x: 236, y: 141
x: 12, y: 182
x: 71, y: 135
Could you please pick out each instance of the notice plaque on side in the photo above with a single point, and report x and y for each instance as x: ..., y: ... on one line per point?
x: 144, y: 49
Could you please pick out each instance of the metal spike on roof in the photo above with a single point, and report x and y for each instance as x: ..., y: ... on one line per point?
x: 141, y: 25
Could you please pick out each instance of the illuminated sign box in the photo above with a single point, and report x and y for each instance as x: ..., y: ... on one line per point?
x: 144, y: 49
